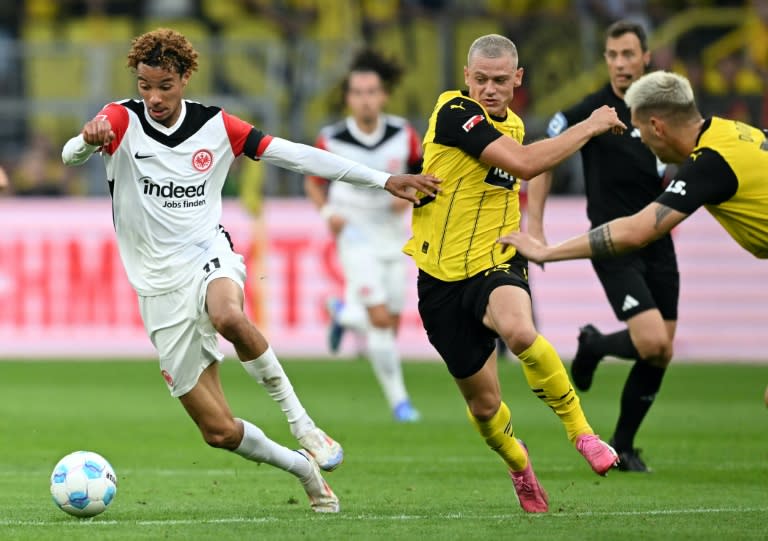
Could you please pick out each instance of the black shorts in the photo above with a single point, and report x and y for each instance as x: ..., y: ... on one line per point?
x: 642, y: 280
x: 452, y: 313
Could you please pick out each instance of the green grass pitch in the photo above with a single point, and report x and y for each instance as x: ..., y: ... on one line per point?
x: 706, y: 438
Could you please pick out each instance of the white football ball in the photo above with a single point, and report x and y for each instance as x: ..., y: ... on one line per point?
x: 83, y: 484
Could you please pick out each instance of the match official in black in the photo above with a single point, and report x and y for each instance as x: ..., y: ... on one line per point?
x: 622, y: 176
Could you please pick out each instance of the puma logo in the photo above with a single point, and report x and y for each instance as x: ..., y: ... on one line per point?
x: 459, y: 106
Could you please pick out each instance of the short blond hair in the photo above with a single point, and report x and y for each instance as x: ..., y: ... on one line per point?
x: 492, y: 46
x: 663, y: 93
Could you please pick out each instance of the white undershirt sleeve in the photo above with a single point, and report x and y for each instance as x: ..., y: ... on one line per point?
x: 77, y: 151
x: 309, y: 160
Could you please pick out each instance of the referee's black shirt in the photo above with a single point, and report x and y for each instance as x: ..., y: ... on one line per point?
x: 621, y: 174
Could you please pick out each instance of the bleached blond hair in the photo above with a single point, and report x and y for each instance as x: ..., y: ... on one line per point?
x: 661, y: 93
x: 492, y: 46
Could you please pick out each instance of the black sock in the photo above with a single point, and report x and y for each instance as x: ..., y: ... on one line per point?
x: 640, y: 390
x: 617, y: 344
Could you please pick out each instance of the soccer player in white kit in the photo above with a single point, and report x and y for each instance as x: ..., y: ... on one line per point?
x: 166, y: 161
x: 368, y: 224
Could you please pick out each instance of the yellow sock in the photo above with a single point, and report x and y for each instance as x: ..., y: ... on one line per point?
x: 500, y: 437
x: 547, y: 379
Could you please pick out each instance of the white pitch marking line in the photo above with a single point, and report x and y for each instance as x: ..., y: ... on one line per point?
x: 379, y: 518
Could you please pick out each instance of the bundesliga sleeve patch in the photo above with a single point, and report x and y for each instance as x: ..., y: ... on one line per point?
x: 472, y: 122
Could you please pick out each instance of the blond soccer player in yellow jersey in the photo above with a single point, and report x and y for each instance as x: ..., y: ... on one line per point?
x: 724, y: 167
x: 470, y: 293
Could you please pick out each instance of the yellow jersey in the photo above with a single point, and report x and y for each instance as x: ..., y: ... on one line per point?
x: 727, y: 173
x: 455, y: 233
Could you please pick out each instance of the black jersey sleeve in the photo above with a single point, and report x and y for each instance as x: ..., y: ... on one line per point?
x: 462, y: 123
x: 252, y: 143
x: 705, y: 178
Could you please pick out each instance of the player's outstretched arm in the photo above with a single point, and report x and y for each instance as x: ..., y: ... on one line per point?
x: 528, y: 161
x: 310, y: 160
x: 612, y: 238
x: 95, y: 134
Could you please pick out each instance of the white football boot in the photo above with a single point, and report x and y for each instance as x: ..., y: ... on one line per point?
x: 321, y: 497
x: 325, y: 450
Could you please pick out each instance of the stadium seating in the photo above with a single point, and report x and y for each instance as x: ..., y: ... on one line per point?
x: 107, y: 74
x: 418, y: 46
x: 254, y: 61
x: 53, y: 74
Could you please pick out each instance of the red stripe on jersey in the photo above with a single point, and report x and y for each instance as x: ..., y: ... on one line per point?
x: 118, y: 119
x: 472, y: 122
x: 238, y: 131
x: 263, y: 144
x: 414, y: 146
x: 321, y: 144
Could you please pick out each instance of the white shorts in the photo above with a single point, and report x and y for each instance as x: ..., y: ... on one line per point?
x: 178, y: 324
x: 371, y: 279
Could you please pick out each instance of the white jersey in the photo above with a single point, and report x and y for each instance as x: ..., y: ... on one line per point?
x: 166, y: 188
x: 394, y: 147
x: 166, y: 183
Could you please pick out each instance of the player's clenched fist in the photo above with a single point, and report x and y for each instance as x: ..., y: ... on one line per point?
x: 605, y: 118
x: 98, y: 131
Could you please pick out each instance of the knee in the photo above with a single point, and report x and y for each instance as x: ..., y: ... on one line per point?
x: 228, y: 321
x: 518, y: 338
x: 380, y: 317
x: 485, y: 407
x: 656, y: 351
x: 223, y: 435
x: 381, y: 321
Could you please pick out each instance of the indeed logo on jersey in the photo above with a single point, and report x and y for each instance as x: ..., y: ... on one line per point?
x: 193, y: 195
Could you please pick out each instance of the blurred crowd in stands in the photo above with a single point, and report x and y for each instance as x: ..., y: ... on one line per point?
x: 279, y: 62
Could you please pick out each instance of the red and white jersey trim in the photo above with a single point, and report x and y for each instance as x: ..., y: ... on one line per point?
x: 166, y: 187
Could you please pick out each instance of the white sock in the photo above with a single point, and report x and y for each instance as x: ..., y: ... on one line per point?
x: 258, y: 447
x: 385, y: 359
x: 266, y: 369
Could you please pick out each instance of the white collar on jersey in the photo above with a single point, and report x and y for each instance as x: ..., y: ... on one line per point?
x: 162, y: 129
x: 368, y: 139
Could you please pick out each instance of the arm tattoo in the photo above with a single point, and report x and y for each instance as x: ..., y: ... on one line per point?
x: 600, y: 241
x: 661, y: 213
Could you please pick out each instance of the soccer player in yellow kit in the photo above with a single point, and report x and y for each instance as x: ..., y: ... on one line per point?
x: 469, y: 292
x: 723, y: 167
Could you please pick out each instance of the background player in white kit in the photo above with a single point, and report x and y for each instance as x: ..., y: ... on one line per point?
x: 166, y: 160
x: 368, y: 224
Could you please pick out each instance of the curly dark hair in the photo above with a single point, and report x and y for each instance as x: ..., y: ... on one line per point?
x: 367, y: 60
x: 388, y: 70
x: 163, y: 48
